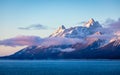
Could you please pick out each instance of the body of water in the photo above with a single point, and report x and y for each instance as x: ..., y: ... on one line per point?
x: 59, y: 67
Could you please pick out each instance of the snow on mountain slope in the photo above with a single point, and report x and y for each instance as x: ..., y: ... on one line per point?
x: 92, y: 23
x: 116, y: 41
x: 89, y: 23
x: 89, y: 28
x: 59, y: 31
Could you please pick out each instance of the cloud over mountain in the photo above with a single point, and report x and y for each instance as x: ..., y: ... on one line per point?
x: 115, y: 25
x: 21, y: 41
x: 60, y: 41
x: 35, y: 40
x: 111, y: 30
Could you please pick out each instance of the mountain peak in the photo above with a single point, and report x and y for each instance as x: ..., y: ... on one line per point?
x: 89, y: 23
x: 62, y: 27
x: 91, y: 20
x: 58, y: 31
x: 78, y: 31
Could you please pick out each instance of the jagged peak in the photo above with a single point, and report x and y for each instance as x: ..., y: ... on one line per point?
x: 91, y: 20
x: 89, y: 23
x: 77, y: 31
x: 62, y: 27
x: 58, y: 31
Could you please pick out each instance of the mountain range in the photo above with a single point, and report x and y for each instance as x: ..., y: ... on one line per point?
x: 90, y: 41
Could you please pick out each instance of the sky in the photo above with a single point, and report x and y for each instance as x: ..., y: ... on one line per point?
x: 51, y: 14
x: 42, y: 17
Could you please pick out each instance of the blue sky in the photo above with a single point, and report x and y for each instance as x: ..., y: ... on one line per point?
x: 52, y: 13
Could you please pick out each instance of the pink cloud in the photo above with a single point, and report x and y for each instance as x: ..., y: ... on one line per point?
x: 21, y: 41
x: 115, y: 25
x: 34, y: 40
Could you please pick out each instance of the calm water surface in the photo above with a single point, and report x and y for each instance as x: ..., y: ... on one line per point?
x: 60, y: 67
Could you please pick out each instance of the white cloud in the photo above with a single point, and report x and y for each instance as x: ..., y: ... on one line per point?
x: 60, y: 41
x: 67, y: 50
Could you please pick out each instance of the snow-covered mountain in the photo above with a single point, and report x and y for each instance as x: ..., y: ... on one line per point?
x: 89, y: 28
x: 80, y: 42
x: 75, y: 51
